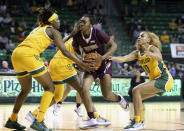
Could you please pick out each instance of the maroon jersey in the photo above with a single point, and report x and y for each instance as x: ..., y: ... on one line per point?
x: 95, y: 43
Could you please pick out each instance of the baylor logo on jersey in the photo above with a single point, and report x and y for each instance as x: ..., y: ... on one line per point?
x: 144, y: 61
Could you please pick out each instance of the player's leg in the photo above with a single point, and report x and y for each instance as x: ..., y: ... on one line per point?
x: 147, y: 88
x: 26, y: 85
x: 58, y: 94
x: 85, y: 95
x: 106, y: 89
x: 64, y: 92
x: 78, y: 108
x: 46, y: 82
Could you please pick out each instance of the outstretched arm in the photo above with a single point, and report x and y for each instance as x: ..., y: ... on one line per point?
x: 121, y: 59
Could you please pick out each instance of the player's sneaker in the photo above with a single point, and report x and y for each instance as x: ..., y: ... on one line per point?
x: 124, y: 104
x: 134, y: 126
x: 103, y: 122
x: 14, y: 125
x: 91, y: 123
x: 79, y: 111
x: 143, y: 124
x: 56, y: 109
x: 30, y: 117
x: 39, y: 126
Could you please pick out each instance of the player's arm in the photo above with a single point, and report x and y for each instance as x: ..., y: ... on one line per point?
x: 56, y: 36
x: 113, y: 47
x: 66, y: 38
x: 121, y: 59
x: 154, y: 52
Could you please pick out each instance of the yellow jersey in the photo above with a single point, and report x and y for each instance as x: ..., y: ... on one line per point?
x: 151, y: 66
x: 69, y: 47
x: 37, y: 39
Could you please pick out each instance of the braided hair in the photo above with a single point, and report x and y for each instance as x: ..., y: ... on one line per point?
x: 44, y: 15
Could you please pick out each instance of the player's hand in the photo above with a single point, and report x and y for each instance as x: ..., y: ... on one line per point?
x: 87, y: 66
x: 98, y: 59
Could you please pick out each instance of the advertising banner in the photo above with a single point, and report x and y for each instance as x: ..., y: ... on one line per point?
x: 9, y: 86
x: 177, y: 50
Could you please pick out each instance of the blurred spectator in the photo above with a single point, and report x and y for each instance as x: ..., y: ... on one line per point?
x: 69, y: 3
x: 27, y: 9
x: 137, y: 32
x: 165, y: 38
x: 118, y: 68
x: 65, y: 33
x: 9, y: 54
x: 47, y: 4
x: 181, y: 39
x: 5, y: 37
x: 126, y: 10
x: 172, y: 70
x: 97, y: 10
x: 4, y: 67
x: 22, y: 23
x: 2, y: 43
x: 1, y: 20
x: 131, y: 27
x: 64, y: 26
x: 15, y: 11
x: 13, y: 26
x: 34, y: 6
x: 139, y: 23
x: 173, y: 25
x: 98, y: 26
x: 125, y: 70
x: 180, y: 25
x: 3, y: 8
x: 20, y: 37
x: 174, y: 38
x: 7, y: 20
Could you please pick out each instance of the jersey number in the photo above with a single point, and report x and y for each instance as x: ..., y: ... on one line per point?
x: 146, y: 68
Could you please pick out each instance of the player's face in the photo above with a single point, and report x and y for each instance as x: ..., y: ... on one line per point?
x: 56, y: 23
x: 143, y: 39
x: 84, y: 24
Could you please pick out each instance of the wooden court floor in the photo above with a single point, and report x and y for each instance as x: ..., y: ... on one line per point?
x: 159, y: 116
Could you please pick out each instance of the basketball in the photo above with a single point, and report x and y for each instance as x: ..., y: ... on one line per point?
x: 92, y: 56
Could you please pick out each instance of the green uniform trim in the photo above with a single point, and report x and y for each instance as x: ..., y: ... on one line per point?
x: 66, y: 80
x: 21, y: 73
x: 161, y: 82
x: 37, y: 71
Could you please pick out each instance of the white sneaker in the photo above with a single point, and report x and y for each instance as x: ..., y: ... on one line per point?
x: 56, y: 109
x: 103, y: 122
x: 79, y: 111
x: 91, y: 123
x: 143, y: 125
x: 124, y: 104
x: 30, y: 117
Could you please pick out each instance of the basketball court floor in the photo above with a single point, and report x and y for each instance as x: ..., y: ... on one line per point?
x: 159, y: 116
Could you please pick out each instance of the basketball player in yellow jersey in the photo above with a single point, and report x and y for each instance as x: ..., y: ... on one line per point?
x: 27, y: 64
x: 149, y: 56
